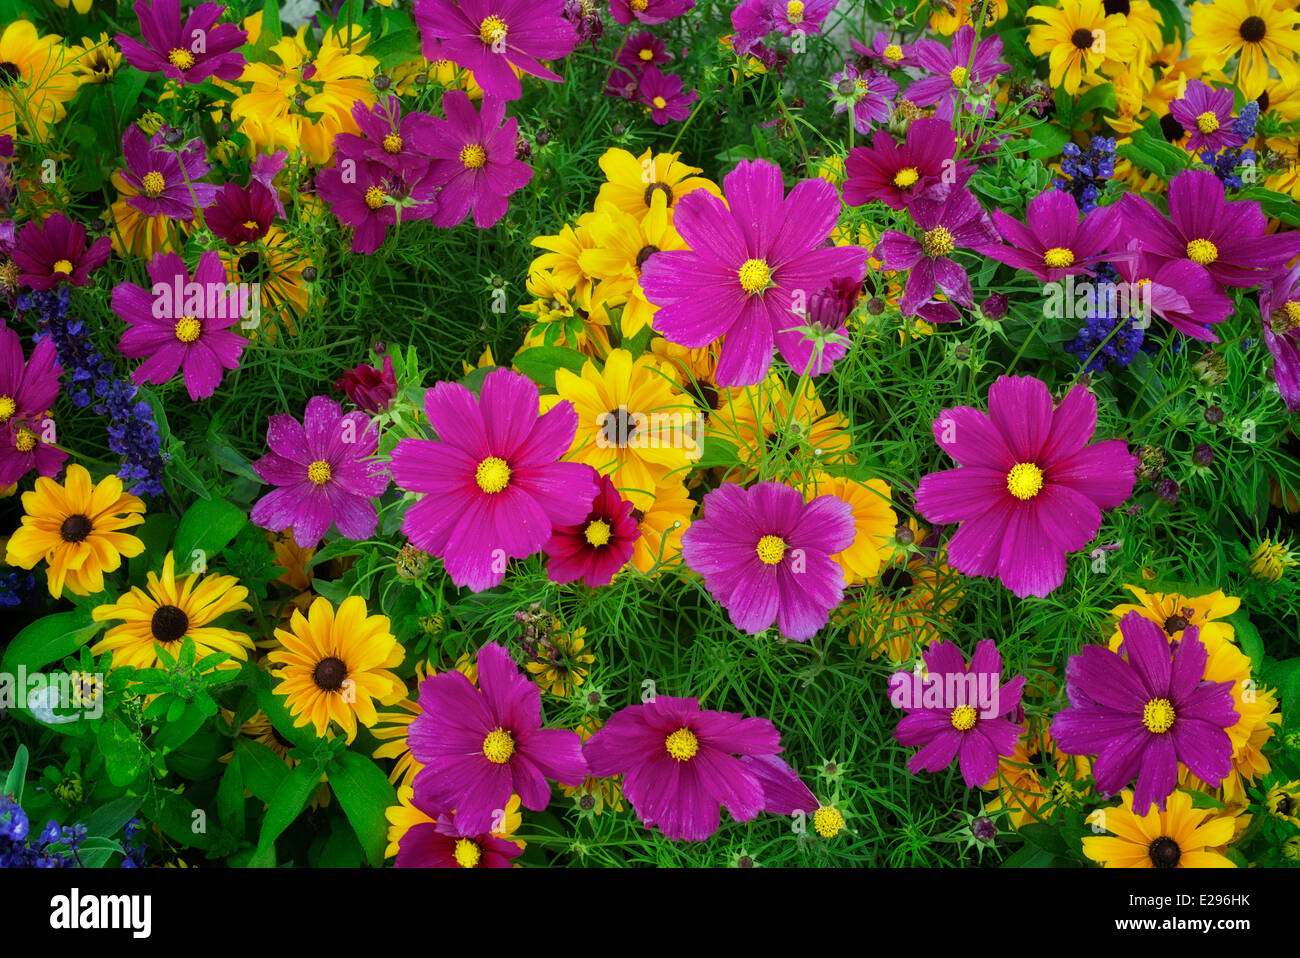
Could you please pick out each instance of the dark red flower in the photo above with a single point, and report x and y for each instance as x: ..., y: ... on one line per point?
x: 599, y: 546
x: 241, y: 214
x: 52, y: 251
x: 370, y: 389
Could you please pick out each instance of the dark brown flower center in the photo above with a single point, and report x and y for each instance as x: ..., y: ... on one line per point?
x: 1175, y: 623
x: 619, y: 427
x: 1262, y: 100
x: 1171, y: 128
x: 275, y: 734
x: 1081, y: 38
x: 1164, y: 852
x: 1253, y: 29
x: 169, y: 623
x: 704, y: 393
x: 645, y: 253
x: 75, y: 528
x: 1284, y: 805
x: 329, y: 674
x: 650, y: 193
x: 896, y: 580
x: 8, y: 72
x: 1113, y: 7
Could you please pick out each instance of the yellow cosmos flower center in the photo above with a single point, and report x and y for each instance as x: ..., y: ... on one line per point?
x: 188, y: 329
x: 639, y: 5
x: 771, y: 549
x: 250, y: 224
x: 828, y: 821
x: 794, y: 11
x: 1207, y: 122
x: 7, y: 407
x: 598, y: 532
x: 647, y: 54
x: 498, y: 746
x: 392, y: 143
x: 957, y: 76
x: 153, y: 183
x: 893, y: 52
x: 1202, y: 251
x: 25, y: 441
x: 963, y: 717
x: 492, y: 29
x: 1289, y: 317
x: 1158, y: 715
x: 181, y: 59
x: 473, y: 156
x: 62, y: 266
x: 906, y: 177
x: 1024, y: 480
x: 467, y: 853
x: 659, y: 102
x: 492, y: 474
x: 937, y: 242
x: 682, y: 744
x: 755, y: 275
x: 319, y: 472
x: 1058, y: 258
x: 375, y: 197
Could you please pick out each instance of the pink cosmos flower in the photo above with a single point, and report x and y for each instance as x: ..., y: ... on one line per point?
x: 765, y: 556
x: 190, y: 52
x: 388, y: 137
x: 1029, y: 488
x: 962, y: 726
x: 199, y: 343
x: 954, y: 71
x: 371, y: 389
x: 479, y: 745
x: 747, y: 260
x: 28, y: 388
x: 474, y: 160
x: 595, y: 549
x: 1053, y: 242
x: 662, y: 93
x: 324, y: 473
x: 488, y: 37
x: 648, y: 11
x: 370, y: 200
x: 167, y: 180
x: 444, y: 843
x: 51, y: 251
x: 241, y: 214
x: 679, y: 764
x: 493, y: 485
x: 897, y: 173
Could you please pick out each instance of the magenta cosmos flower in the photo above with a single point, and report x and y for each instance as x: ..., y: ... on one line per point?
x: 662, y: 94
x: 679, y: 764
x: 970, y: 721
x: 954, y: 70
x: 1227, y: 237
x: 388, y: 136
x: 1143, y: 710
x: 897, y: 173
x: 1181, y: 292
x: 869, y: 94
x: 1053, y: 242
x: 747, y: 259
x: 648, y: 11
x: 1279, y: 305
x: 478, y: 746
x: 369, y: 197
x: 324, y: 474
x: 474, y: 160
x: 371, y: 389
x: 28, y: 388
x: 189, y: 52
x: 825, y: 336
x: 488, y: 37
x: 167, y: 179
x: 242, y: 214
x: 765, y: 556
x: 1206, y: 113
x: 444, y: 843
x: 885, y: 51
x: 948, y: 222
x: 600, y: 545
x: 642, y: 50
x: 175, y: 330
x: 54, y: 251
x: 1029, y: 487
x: 493, y: 485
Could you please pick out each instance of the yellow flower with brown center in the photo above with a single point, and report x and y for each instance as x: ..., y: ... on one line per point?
x: 1259, y: 33
x: 632, y: 181
x: 97, y: 60
x: 37, y: 79
x: 77, y: 529
x: 404, y: 816
x: 1179, y: 837
x: 874, y: 522
x: 333, y: 666
x: 659, y: 545
x: 1035, y: 779
x: 1081, y: 41
x: 633, y: 423
x: 560, y: 665
x: 167, y: 611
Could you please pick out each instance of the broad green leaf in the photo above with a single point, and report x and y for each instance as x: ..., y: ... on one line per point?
x: 365, y: 794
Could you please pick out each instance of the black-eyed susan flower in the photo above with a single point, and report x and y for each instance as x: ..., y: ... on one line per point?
x: 37, y: 79
x: 1283, y: 802
x: 874, y: 522
x: 167, y: 611
x: 1080, y: 38
x: 632, y: 181
x: 1270, y: 560
x: 1257, y: 32
x: 77, y: 529
x: 659, y: 544
x: 1179, y: 837
x: 560, y: 665
x: 333, y: 666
